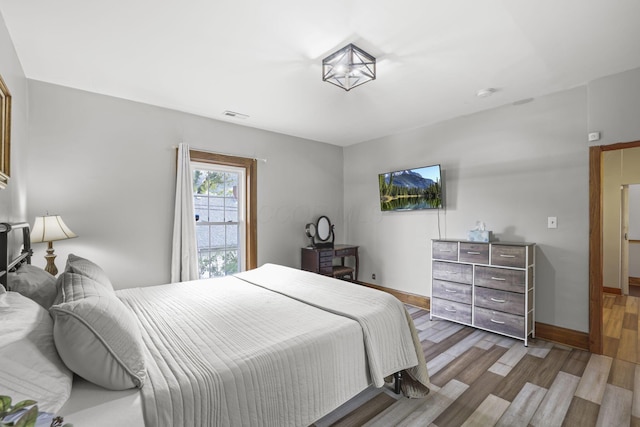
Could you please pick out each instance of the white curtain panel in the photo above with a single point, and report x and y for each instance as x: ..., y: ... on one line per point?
x: 184, y: 259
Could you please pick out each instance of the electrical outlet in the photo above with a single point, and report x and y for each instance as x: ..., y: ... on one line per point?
x: 373, y: 276
x: 552, y: 222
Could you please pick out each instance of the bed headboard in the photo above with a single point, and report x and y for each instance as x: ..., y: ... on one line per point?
x: 7, y: 264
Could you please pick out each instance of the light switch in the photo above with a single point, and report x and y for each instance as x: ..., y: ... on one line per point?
x: 552, y: 222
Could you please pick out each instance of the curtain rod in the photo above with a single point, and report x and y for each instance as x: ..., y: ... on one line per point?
x: 223, y: 154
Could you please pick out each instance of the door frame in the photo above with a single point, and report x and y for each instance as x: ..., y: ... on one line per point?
x: 624, y: 243
x: 595, y: 241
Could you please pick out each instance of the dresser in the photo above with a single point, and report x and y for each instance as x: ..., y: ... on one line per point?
x: 489, y: 286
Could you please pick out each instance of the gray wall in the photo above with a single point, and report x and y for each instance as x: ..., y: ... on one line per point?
x: 614, y: 106
x: 107, y: 165
x: 13, y: 199
x: 510, y: 167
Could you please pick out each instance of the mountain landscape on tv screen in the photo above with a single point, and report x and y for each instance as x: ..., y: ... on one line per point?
x: 408, y: 190
x: 410, y: 179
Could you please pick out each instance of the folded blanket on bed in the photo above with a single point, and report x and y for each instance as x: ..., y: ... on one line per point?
x: 391, y: 341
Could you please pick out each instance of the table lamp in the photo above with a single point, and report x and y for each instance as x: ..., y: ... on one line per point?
x: 48, y: 229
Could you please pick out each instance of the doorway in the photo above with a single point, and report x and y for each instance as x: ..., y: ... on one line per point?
x: 596, y: 241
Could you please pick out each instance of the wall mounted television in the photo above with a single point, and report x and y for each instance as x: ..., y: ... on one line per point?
x: 411, y: 189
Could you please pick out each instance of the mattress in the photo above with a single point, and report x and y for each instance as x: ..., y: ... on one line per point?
x: 93, y: 406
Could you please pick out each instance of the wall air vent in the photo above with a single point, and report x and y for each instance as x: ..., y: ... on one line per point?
x: 234, y: 115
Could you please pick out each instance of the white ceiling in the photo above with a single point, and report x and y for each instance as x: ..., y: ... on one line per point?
x: 263, y: 57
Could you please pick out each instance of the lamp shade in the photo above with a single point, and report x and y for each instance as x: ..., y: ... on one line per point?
x: 49, y: 229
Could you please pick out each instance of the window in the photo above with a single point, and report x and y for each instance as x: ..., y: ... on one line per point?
x: 224, y: 201
x: 218, y: 202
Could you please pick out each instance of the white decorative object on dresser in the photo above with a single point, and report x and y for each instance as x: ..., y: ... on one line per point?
x: 489, y: 286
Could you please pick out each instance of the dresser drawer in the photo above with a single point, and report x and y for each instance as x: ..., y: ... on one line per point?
x: 451, y: 310
x: 500, y: 278
x: 498, y: 321
x: 451, y: 291
x: 345, y: 252
x: 509, y: 255
x: 474, y: 252
x: 324, y: 255
x: 452, y: 272
x: 493, y: 299
x: 445, y: 250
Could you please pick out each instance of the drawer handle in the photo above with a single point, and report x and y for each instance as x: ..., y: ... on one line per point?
x: 450, y: 310
x: 498, y: 300
x: 451, y: 272
x: 502, y: 279
x: 497, y: 321
x: 445, y: 250
x: 451, y: 291
x: 473, y: 253
x: 507, y: 256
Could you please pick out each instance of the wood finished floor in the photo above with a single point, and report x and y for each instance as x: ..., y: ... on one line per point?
x: 484, y: 379
x: 620, y: 315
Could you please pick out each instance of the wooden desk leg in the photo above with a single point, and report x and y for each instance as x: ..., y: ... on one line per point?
x: 357, y: 263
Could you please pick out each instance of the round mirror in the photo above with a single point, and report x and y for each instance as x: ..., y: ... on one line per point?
x: 310, y: 230
x: 323, y: 228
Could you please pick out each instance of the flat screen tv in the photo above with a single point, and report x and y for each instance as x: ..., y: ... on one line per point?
x: 410, y: 189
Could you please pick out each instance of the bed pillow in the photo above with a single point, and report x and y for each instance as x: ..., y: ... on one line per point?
x: 74, y: 286
x: 98, y: 338
x: 35, y: 283
x: 76, y: 264
x: 30, y: 367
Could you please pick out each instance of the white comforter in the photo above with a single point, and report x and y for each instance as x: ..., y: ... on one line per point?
x: 228, y: 352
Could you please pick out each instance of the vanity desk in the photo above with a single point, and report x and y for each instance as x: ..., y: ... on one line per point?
x: 320, y: 260
x: 319, y: 255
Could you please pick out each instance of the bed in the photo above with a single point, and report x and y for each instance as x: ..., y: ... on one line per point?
x: 270, y: 346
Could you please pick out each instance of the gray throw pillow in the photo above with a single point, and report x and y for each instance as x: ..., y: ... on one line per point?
x: 97, y: 336
x: 34, y: 283
x: 79, y: 265
x: 74, y: 286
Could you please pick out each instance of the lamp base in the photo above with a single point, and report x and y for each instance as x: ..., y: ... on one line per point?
x: 50, y: 257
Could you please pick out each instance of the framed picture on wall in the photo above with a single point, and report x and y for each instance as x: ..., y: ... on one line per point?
x: 5, y: 134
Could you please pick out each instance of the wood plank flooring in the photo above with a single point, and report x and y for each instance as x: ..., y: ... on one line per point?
x: 620, y: 316
x: 484, y: 379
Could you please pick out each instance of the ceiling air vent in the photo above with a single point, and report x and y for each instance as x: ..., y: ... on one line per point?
x: 234, y: 115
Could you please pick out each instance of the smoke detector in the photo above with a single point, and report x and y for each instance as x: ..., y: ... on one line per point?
x: 485, y: 93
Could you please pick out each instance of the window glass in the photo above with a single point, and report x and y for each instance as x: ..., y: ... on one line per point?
x: 219, y: 222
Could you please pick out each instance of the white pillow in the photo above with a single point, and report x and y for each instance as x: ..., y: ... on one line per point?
x: 97, y: 336
x: 35, y: 283
x: 30, y: 367
x: 76, y: 264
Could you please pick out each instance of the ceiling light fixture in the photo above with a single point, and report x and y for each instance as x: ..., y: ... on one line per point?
x: 349, y: 67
